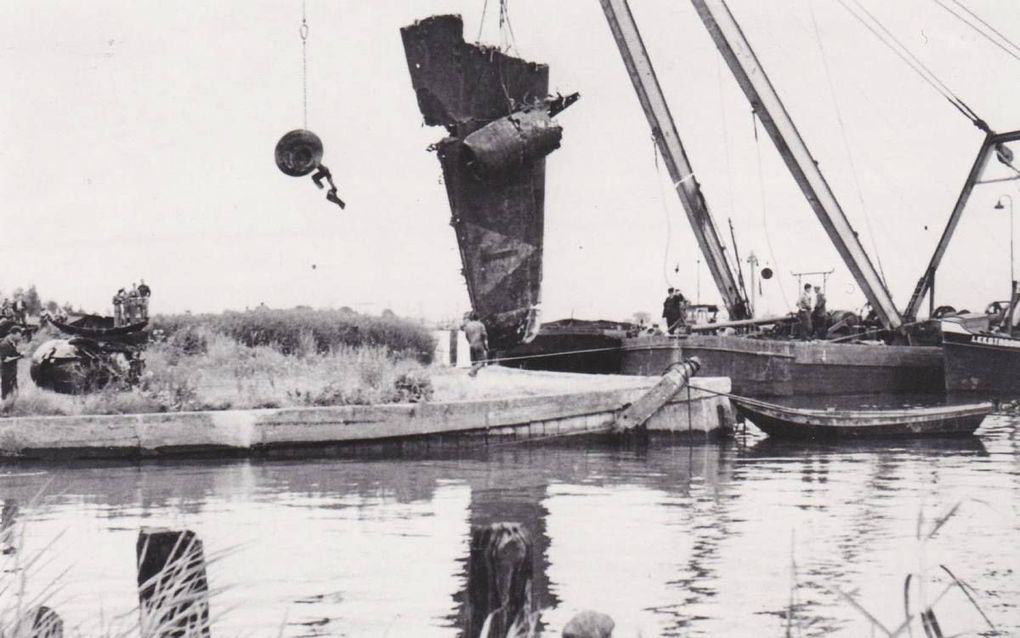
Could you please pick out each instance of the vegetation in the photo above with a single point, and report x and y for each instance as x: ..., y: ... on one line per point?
x: 300, y: 329
x: 260, y: 359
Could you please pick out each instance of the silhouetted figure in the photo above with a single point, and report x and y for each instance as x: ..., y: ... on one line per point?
x: 9, y: 356
x: 820, y: 315
x: 805, y: 306
x: 478, y: 340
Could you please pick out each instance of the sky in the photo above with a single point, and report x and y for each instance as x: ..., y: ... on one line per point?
x: 138, y: 143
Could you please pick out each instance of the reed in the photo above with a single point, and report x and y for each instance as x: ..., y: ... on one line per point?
x: 924, y: 611
x: 302, y: 329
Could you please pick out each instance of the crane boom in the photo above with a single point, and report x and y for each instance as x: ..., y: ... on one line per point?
x: 991, y: 143
x: 750, y: 75
x: 653, y: 102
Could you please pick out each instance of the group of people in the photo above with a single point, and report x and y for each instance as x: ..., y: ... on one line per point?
x: 13, y: 310
x: 814, y: 317
x: 131, y: 306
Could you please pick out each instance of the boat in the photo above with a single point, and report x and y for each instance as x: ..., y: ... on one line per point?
x: 799, y: 423
x: 97, y: 327
x: 982, y: 362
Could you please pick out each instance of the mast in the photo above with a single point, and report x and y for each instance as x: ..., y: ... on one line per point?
x: 993, y: 141
x: 750, y: 75
x: 653, y: 102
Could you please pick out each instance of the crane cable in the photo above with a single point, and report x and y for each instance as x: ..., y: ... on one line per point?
x: 887, y: 38
x: 846, y: 142
x: 980, y: 31
x: 303, y: 31
x: 665, y: 213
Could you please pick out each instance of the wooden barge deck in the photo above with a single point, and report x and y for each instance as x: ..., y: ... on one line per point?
x: 699, y: 413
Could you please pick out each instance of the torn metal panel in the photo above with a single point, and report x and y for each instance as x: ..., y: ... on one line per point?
x: 495, y: 109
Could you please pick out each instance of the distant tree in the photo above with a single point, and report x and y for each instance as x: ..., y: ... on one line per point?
x: 389, y: 314
x: 33, y: 304
x: 642, y: 318
x: 348, y: 310
x: 51, y: 306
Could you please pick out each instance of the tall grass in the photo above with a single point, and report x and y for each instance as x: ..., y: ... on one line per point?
x: 919, y: 609
x: 197, y: 368
x: 295, y: 330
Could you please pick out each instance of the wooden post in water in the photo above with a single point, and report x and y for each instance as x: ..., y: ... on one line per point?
x: 589, y: 624
x: 500, y: 570
x: 173, y: 593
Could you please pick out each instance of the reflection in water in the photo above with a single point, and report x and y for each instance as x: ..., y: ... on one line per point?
x: 668, y: 539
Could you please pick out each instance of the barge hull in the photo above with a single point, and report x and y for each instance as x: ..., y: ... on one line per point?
x: 986, y: 365
x: 761, y: 368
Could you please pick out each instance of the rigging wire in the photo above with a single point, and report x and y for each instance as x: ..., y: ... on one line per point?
x: 303, y: 31
x: 481, y: 23
x: 980, y: 31
x: 887, y: 38
x: 764, y: 208
x: 506, y: 29
x: 846, y: 142
x: 665, y: 213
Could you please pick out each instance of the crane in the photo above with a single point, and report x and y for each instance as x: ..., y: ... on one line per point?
x: 653, y: 102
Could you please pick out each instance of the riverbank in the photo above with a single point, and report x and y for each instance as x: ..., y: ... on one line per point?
x: 514, y: 404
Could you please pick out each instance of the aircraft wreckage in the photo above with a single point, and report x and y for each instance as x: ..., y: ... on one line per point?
x: 95, y: 355
x: 498, y: 114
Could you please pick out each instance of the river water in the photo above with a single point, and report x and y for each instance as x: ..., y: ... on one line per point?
x: 669, y: 539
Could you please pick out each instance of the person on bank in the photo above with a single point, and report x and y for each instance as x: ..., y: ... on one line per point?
x: 478, y: 340
x: 144, y: 292
x: 805, y: 306
x: 819, y: 315
x: 9, y: 356
x: 118, y: 308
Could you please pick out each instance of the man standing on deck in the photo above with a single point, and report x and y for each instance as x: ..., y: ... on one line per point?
x: 9, y: 356
x: 804, y: 308
x: 673, y: 310
x: 478, y: 339
x: 820, y: 316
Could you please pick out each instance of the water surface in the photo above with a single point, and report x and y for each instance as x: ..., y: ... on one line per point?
x: 669, y: 539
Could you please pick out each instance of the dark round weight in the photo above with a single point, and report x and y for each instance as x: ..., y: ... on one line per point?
x: 298, y: 152
x: 766, y: 273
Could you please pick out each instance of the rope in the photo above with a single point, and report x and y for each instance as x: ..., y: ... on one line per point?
x: 665, y: 213
x: 481, y: 23
x: 914, y: 62
x: 547, y: 354
x: 846, y: 143
x: 980, y: 32
x: 506, y: 30
x: 303, y: 31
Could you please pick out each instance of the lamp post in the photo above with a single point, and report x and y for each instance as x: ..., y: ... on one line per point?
x: 999, y: 206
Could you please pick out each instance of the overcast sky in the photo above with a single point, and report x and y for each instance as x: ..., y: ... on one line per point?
x: 137, y: 141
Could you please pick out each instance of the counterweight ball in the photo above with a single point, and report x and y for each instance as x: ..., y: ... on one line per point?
x: 766, y: 273
x: 299, y: 152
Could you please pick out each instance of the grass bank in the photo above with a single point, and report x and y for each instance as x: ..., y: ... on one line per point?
x: 304, y: 330
x: 197, y: 367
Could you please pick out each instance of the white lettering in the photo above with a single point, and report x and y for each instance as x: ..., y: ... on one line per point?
x: 996, y: 341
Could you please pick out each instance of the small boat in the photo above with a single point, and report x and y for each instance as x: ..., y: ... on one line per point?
x: 797, y: 423
x: 97, y: 327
